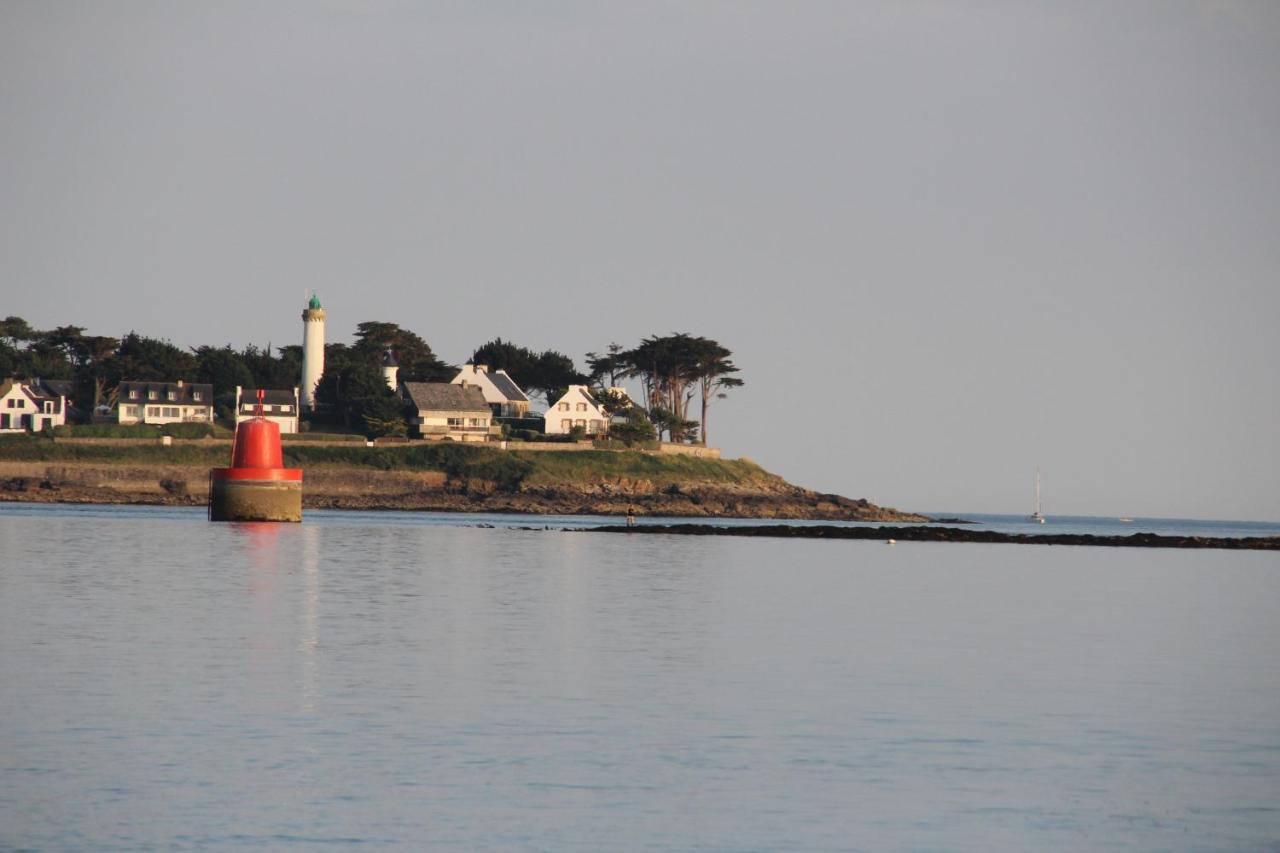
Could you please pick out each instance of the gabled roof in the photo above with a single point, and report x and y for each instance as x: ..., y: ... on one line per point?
x: 507, y: 386
x: 270, y: 396
x: 56, y: 387
x: 445, y: 397
x: 184, y: 394
x: 37, y: 390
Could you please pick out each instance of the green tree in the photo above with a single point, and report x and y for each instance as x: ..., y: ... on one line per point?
x: 673, y: 370
x: 282, y: 371
x: 610, y: 365
x: 417, y: 362
x: 143, y: 359
x: 714, y: 370
x: 636, y: 428
x: 222, y: 367
x: 548, y: 373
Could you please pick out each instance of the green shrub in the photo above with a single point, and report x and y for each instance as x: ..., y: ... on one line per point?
x: 188, y: 430
x: 107, y: 431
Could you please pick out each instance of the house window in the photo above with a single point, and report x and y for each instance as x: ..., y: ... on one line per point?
x: 580, y: 422
x: 172, y: 396
x: 48, y: 407
x: 582, y: 407
x: 151, y: 395
x: 171, y: 411
x: 564, y: 407
x: 151, y: 411
x: 133, y: 395
x: 566, y: 424
x: 195, y: 395
x: 457, y: 422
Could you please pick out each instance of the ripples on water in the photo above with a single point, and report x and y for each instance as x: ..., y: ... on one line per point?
x: 398, y: 680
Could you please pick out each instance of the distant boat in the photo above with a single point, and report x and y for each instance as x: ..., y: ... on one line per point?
x: 1125, y: 520
x: 1037, y: 517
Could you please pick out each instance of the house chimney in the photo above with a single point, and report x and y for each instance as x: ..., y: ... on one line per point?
x: 482, y: 368
x: 179, y: 383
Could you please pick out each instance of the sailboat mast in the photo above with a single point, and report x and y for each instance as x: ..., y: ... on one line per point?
x: 1037, y: 490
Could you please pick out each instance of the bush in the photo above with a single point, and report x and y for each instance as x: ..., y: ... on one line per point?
x: 188, y: 430
x: 108, y: 431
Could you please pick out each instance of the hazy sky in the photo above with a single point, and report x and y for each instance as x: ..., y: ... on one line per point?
x: 947, y: 242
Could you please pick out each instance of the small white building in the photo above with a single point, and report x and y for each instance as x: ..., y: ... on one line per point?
x: 32, y: 405
x: 280, y: 406
x: 164, y: 403
x: 577, y: 408
x: 443, y: 410
x: 500, y: 391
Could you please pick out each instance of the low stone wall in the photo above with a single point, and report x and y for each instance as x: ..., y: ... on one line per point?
x: 562, y: 446
x: 535, y: 446
x: 690, y: 450
x: 139, y: 442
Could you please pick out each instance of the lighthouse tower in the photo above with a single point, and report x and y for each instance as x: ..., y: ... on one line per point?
x: 390, y: 367
x: 312, y: 351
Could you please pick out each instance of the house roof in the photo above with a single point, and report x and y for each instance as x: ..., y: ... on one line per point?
x: 270, y: 396
x: 184, y: 394
x: 38, y: 389
x: 445, y: 397
x: 507, y: 386
x: 56, y: 387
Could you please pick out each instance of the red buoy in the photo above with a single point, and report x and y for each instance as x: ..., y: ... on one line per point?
x: 257, y: 486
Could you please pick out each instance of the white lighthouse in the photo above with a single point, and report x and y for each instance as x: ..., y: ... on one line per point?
x: 390, y: 367
x: 312, y: 351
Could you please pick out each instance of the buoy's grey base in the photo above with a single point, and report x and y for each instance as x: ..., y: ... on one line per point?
x: 255, y: 500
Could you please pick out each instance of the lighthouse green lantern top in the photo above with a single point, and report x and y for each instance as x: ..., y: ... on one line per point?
x: 315, y: 301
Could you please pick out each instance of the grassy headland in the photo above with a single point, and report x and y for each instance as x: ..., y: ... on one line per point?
x: 428, y: 476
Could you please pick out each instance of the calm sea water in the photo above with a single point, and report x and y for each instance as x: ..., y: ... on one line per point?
x: 414, y: 681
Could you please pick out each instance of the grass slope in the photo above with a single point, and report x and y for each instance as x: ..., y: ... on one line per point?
x: 509, y: 470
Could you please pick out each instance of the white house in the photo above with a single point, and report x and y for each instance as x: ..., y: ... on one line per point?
x: 32, y: 405
x: 164, y: 403
x: 577, y: 408
x: 278, y: 406
x: 500, y: 391
x: 444, y: 410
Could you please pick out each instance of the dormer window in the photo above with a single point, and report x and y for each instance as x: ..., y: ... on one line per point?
x: 151, y: 395
x: 133, y: 395
x: 172, y: 395
x: 195, y: 395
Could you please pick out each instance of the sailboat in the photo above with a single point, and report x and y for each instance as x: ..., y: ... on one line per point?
x: 1037, y: 517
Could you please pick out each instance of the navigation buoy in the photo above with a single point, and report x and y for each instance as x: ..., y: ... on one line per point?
x: 257, y: 486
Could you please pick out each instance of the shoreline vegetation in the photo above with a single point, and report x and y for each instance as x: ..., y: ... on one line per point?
x: 951, y: 534
x: 431, y: 477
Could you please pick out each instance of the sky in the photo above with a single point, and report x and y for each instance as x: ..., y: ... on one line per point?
x: 946, y: 242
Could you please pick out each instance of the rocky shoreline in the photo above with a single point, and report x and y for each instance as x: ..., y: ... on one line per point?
x: 952, y: 534
x: 365, y: 489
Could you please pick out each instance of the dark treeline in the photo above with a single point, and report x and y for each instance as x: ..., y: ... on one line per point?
x: 674, y: 371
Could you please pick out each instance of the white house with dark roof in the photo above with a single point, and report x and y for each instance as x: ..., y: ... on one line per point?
x: 280, y: 406
x: 577, y: 408
x: 500, y: 391
x: 442, y: 410
x: 32, y: 405
x: 164, y: 403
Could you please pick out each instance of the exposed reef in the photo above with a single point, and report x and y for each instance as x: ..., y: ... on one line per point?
x: 952, y: 534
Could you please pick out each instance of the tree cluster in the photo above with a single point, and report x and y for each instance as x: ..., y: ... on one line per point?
x: 548, y: 373
x: 673, y: 370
